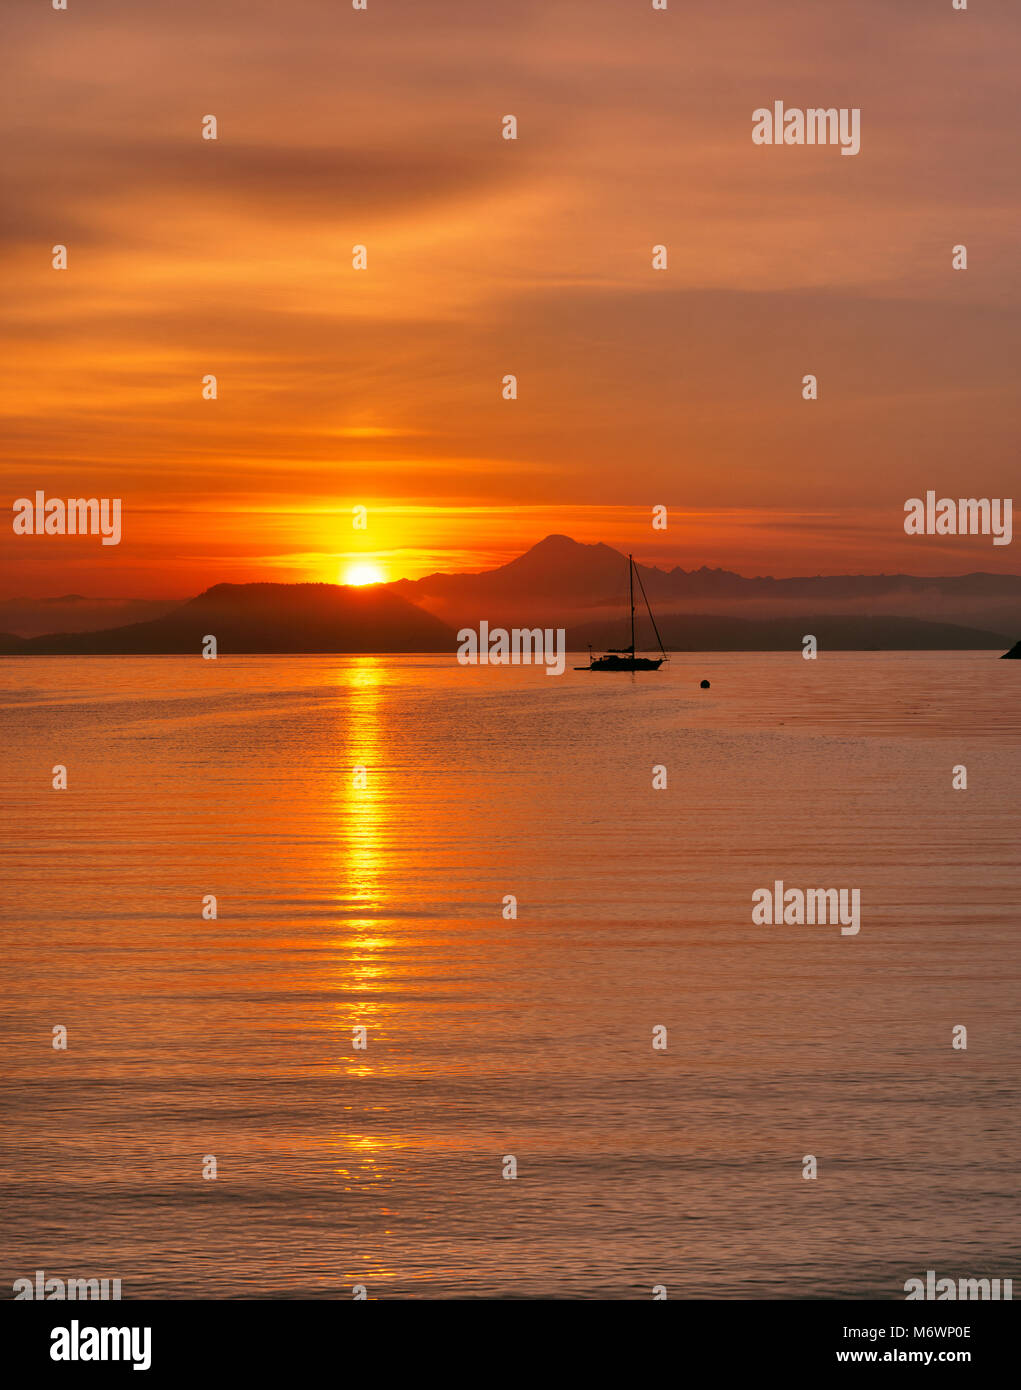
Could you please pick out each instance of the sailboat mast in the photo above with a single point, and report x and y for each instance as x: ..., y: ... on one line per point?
x: 631, y: 594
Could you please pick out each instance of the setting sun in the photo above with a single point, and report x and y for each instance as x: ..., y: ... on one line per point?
x: 363, y: 572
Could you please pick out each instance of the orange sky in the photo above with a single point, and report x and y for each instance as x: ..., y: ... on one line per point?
x: 382, y: 387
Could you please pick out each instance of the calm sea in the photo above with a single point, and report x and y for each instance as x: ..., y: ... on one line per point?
x: 381, y: 906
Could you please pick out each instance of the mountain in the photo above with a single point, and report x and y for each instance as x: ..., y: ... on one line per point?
x: 583, y: 588
x: 556, y: 568
x: 263, y: 618
x: 567, y: 583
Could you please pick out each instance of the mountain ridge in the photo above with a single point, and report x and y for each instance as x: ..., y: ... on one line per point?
x: 565, y: 583
x: 263, y: 617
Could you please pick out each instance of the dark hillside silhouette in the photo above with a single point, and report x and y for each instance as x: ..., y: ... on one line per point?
x: 265, y: 618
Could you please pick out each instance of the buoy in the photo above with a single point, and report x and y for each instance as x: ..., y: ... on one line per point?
x: 704, y: 685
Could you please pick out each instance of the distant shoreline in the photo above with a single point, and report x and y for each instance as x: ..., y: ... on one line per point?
x: 571, y: 651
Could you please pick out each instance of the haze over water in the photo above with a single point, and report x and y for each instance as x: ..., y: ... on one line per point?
x: 381, y: 907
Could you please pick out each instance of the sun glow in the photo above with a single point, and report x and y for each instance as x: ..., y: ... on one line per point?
x: 362, y: 572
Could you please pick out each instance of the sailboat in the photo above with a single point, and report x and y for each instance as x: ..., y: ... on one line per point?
x: 623, y: 658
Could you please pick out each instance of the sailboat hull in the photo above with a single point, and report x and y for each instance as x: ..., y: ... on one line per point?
x: 624, y: 663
